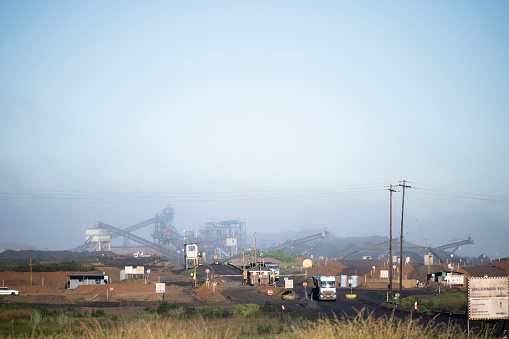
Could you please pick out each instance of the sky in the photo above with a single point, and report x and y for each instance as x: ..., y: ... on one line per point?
x: 288, y: 115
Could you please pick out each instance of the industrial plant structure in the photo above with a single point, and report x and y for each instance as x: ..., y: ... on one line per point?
x: 221, y: 239
x: 218, y: 239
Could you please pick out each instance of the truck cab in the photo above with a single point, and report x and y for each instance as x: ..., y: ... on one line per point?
x: 325, y: 288
x: 274, y: 267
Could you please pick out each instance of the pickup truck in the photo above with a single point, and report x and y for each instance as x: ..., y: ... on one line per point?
x: 8, y: 291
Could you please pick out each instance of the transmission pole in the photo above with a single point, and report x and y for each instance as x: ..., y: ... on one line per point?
x: 401, y: 240
x: 390, y: 245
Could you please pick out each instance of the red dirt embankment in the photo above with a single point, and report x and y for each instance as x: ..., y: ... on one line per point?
x: 330, y: 267
x: 503, y: 265
x: 207, y: 293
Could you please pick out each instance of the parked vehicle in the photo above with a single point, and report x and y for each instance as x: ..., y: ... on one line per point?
x: 274, y: 267
x: 8, y: 291
x: 325, y: 287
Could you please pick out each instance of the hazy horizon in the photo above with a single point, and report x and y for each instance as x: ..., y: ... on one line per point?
x: 288, y: 115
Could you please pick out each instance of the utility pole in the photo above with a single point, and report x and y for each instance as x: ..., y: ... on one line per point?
x: 390, y: 246
x: 401, y: 240
x: 256, y: 258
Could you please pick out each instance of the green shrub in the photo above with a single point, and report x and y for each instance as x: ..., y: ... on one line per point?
x: 165, y: 307
x: 452, y: 302
x: 36, y: 317
x: 267, y: 307
x: 98, y: 312
x: 245, y: 310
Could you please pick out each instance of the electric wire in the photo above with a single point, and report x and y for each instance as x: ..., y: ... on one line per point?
x: 83, y: 196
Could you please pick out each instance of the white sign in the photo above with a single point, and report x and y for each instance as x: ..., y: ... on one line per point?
x: 488, y: 298
x: 384, y: 273
x: 128, y: 270
x: 455, y: 279
x: 160, y: 287
x: 140, y: 269
x: 288, y: 283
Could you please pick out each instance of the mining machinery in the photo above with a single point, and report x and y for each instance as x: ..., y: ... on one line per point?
x: 383, y: 248
x: 290, y: 244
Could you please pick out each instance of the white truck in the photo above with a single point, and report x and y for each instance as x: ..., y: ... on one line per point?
x: 274, y: 267
x: 325, y: 287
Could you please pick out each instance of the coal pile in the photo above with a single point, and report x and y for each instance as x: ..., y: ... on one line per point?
x: 11, y: 255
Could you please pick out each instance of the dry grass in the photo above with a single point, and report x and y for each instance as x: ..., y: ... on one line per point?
x: 362, y: 326
x: 16, y: 314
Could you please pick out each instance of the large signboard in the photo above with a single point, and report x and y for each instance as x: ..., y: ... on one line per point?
x: 140, y: 269
x: 128, y: 270
x: 384, y: 273
x: 488, y: 298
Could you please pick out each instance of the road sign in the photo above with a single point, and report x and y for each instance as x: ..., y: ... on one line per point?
x: 304, y: 284
x: 207, y: 271
x: 449, y: 265
x: 394, y: 266
x: 160, y: 288
x: 373, y: 267
x: 269, y: 292
x: 111, y: 289
x: 485, y: 275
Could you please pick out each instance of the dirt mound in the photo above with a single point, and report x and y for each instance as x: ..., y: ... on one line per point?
x: 277, y: 292
x: 481, y: 270
x: 164, y: 275
x: 11, y: 255
x: 207, y: 293
x: 503, y: 265
x: 37, y: 277
x: 330, y: 267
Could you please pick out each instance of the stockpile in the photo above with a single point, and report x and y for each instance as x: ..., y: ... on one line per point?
x: 329, y: 267
x: 206, y: 293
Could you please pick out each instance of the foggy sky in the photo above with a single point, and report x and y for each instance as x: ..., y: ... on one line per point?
x: 289, y: 115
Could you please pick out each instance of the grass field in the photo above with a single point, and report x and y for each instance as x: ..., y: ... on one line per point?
x: 239, y: 321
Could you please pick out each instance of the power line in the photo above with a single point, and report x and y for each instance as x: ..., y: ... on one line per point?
x: 83, y: 196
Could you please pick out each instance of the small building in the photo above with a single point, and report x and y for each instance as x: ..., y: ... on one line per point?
x: 456, y: 278
x: 259, y: 275
x: 75, y: 280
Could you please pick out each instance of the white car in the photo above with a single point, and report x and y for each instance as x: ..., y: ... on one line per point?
x: 8, y: 291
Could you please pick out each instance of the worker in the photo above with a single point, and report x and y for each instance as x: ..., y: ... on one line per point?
x: 417, y: 283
